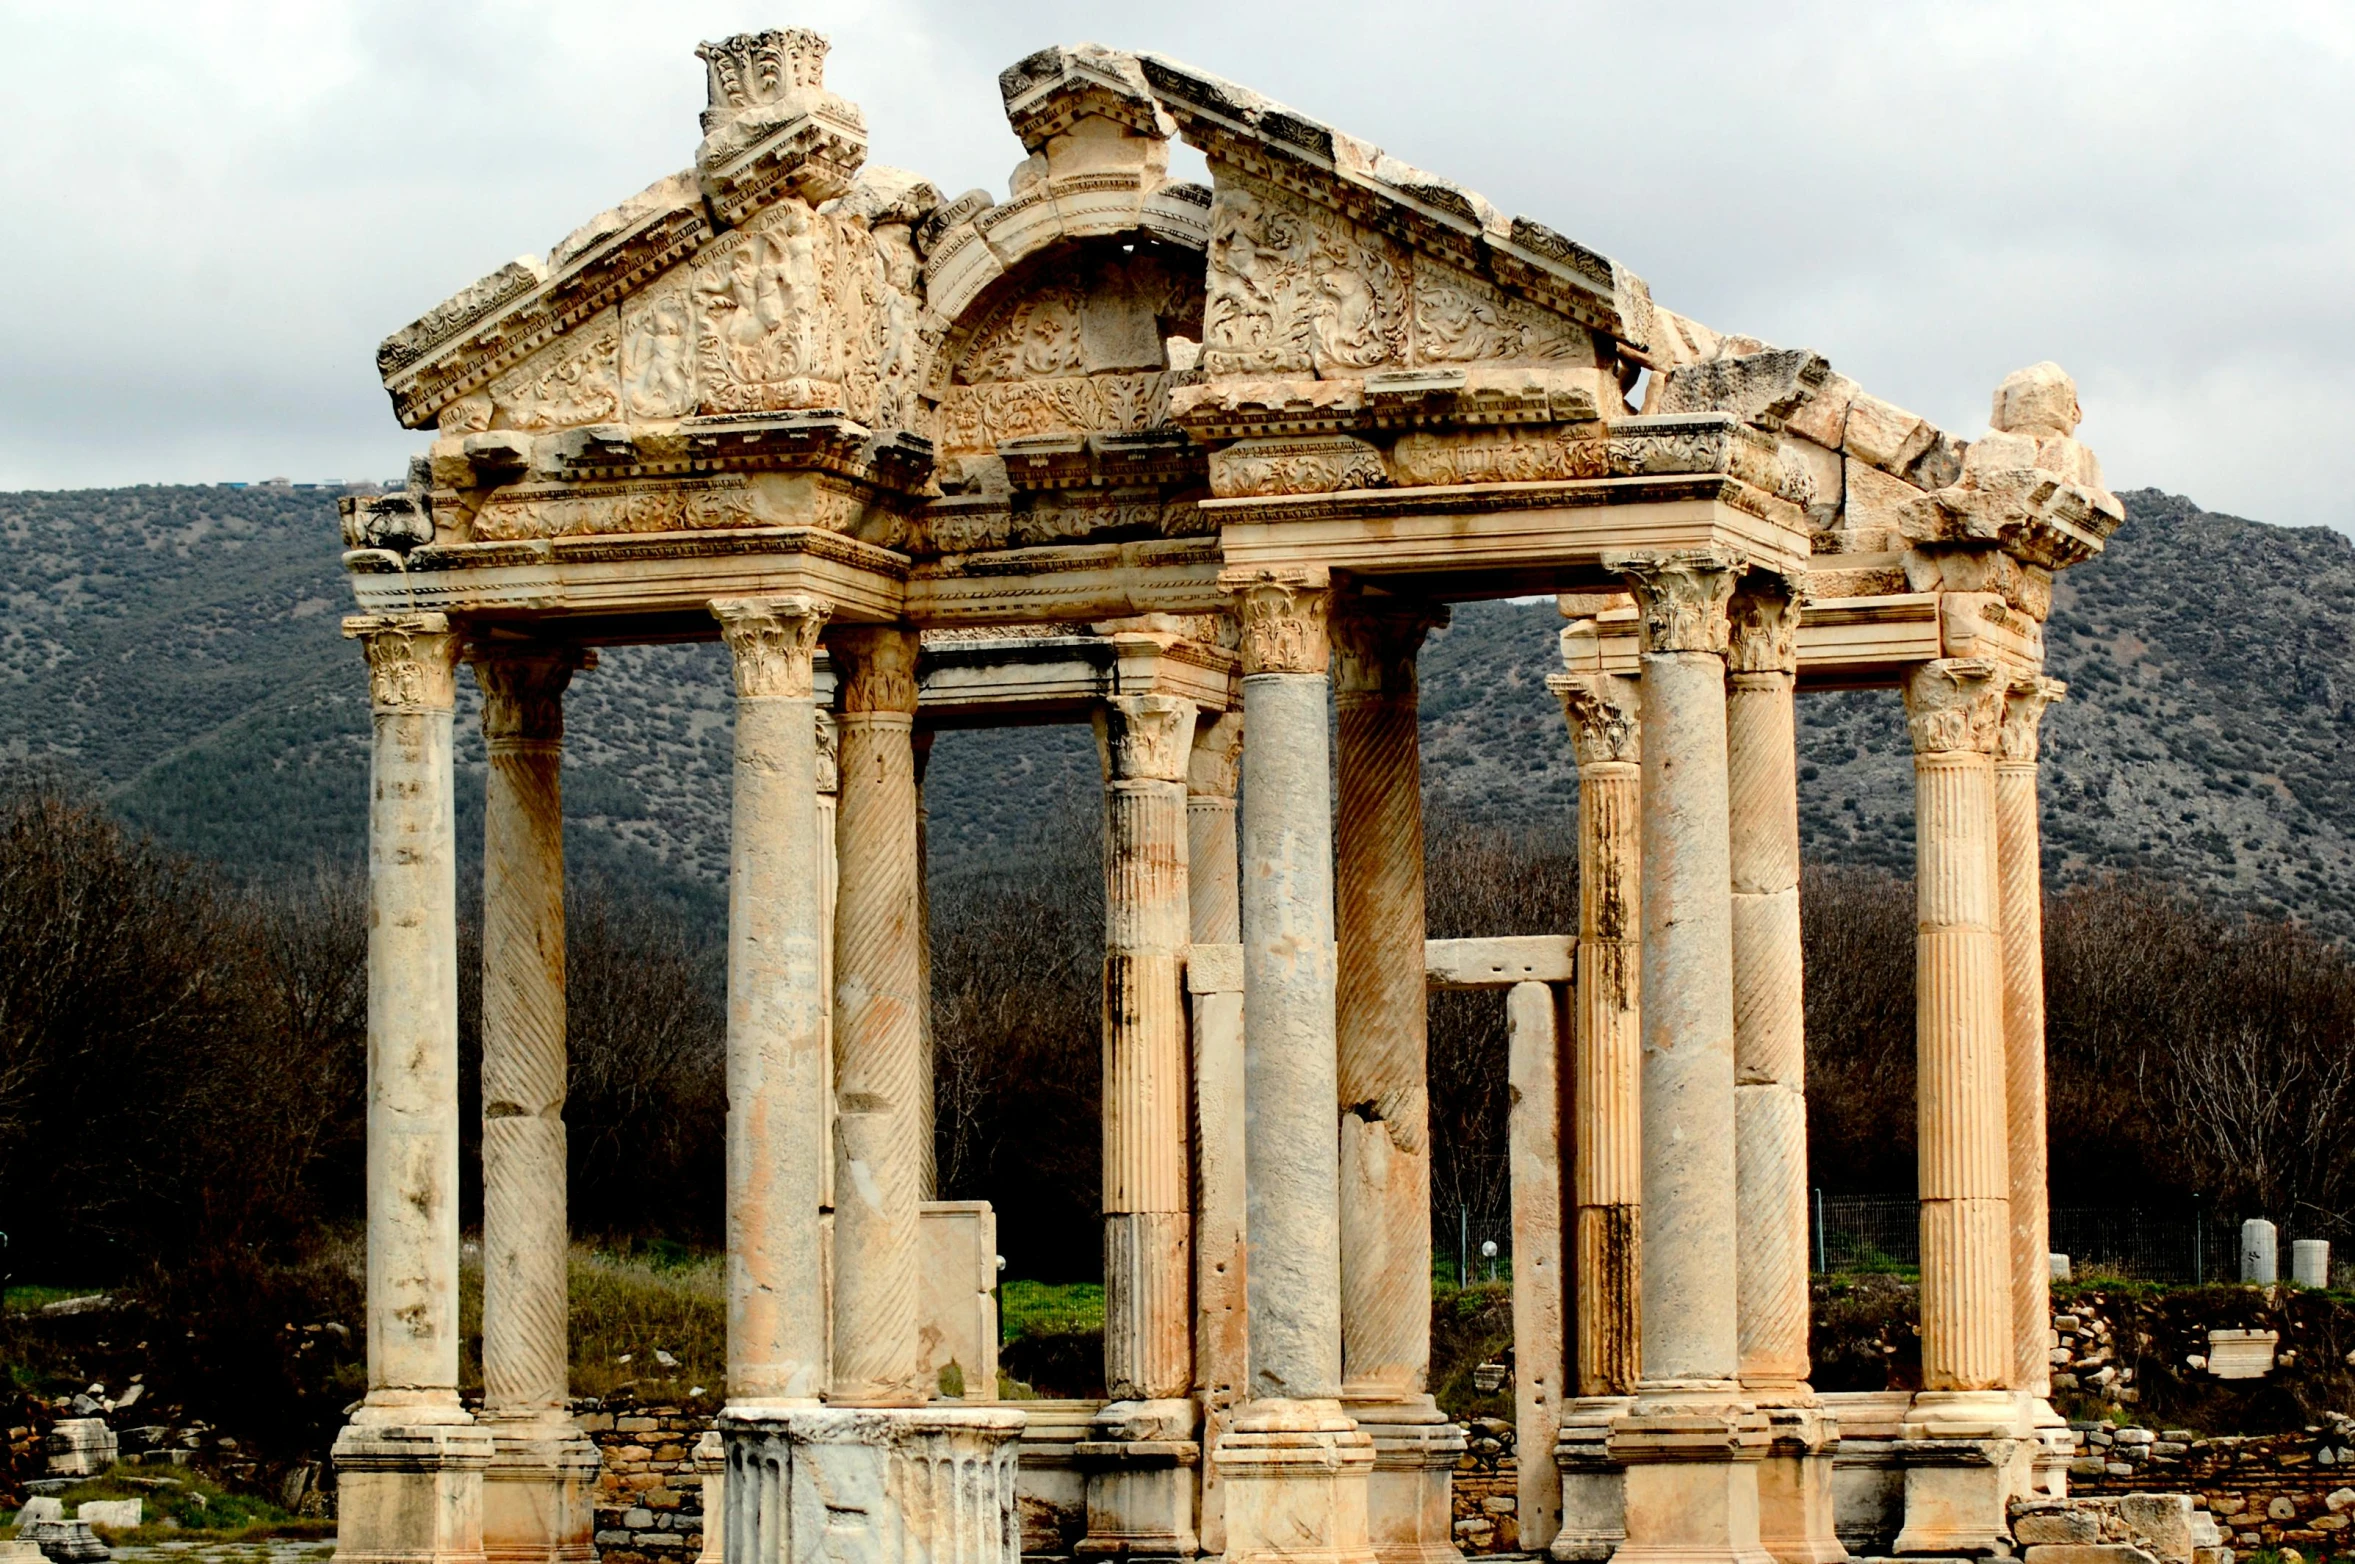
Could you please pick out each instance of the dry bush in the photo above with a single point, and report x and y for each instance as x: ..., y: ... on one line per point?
x: 1857, y: 934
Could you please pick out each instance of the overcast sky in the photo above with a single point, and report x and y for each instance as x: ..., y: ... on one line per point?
x: 216, y: 210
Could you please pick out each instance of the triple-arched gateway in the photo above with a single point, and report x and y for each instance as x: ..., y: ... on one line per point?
x: 1204, y: 465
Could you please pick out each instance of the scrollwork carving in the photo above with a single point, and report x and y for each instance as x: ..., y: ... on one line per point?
x: 1683, y: 597
x: 412, y: 660
x: 1459, y: 321
x: 1284, y: 615
x: 1293, y: 289
x: 1323, y: 465
x: 2024, y: 705
x: 772, y: 642
x: 1146, y: 737
x: 573, y: 381
x: 875, y: 668
x: 1954, y: 705
x: 1604, y: 711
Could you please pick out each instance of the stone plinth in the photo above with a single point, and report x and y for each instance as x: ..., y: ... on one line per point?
x: 1691, y: 1484
x: 1594, y: 1488
x: 1966, y: 1454
x: 410, y: 1494
x: 872, y: 1485
x: 539, y: 1492
x: 1295, y: 1477
x: 1410, y: 1494
x: 1796, y: 1508
x: 1141, y: 1481
x: 81, y: 1447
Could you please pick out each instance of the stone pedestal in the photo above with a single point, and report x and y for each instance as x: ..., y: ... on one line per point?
x: 1594, y: 1485
x: 1141, y: 1481
x: 538, y: 1493
x: 1967, y: 1455
x: 872, y: 1485
x: 711, y: 1469
x: 410, y: 1493
x: 1797, y: 1516
x: 1410, y: 1494
x: 1691, y: 1484
x: 1295, y: 1475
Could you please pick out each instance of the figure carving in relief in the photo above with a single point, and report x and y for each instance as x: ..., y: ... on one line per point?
x: 1455, y: 324
x: 763, y: 310
x: 1041, y: 337
x: 1360, y: 319
x: 899, y: 351
x: 1259, y: 315
x: 656, y: 371
x: 574, y: 384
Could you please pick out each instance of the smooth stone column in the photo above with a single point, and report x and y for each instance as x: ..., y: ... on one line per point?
x: 777, y: 981
x: 1380, y: 1032
x: 878, y: 1025
x: 1214, y: 983
x: 1795, y: 1518
x: 1140, y: 1458
x: 1965, y: 1438
x: 410, y: 1462
x: 536, y: 1495
x: 1533, y: 1142
x: 1605, y: 1153
x: 1690, y: 1445
x: 1294, y: 1465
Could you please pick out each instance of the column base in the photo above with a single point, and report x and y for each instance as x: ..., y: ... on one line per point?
x: 1796, y: 1510
x: 538, y: 1504
x: 1141, y: 1477
x: 2049, y: 1463
x: 1594, y: 1486
x: 1295, y: 1475
x: 1691, y: 1456
x: 711, y: 1465
x: 410, y: 1492
x: 871, y: 1485
x: 1967, y: 1455
x: 1410, y: 1495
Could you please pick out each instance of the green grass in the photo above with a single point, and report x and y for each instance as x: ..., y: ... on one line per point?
x: 654, y: 1297
x: 194, y: 1508
x: 31, y: 1296
x: 1046, y: 1308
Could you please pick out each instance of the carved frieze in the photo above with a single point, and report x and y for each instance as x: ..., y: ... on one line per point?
x: 723, y: 500
x: 772, y: 643
x: 1295, y: 288
x: 1635, y: 447
x: 1321, y: 464
x: 1459, y: 320
x: 1954, y: 705
x: 765, y: 302
x: 983, y: 417
x: 572, y: 381
x: 658, y: 351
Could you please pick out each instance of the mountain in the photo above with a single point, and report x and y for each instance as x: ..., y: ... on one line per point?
x: 180, y: 648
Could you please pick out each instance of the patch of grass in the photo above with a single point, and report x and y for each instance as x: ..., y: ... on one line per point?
x: 1051, y: 1338
x: 652, y: 1298
x: 184, y: 1504
x: 28, y: 1296
x: 1038, y: 1308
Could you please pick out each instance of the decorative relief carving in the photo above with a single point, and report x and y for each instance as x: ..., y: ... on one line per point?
x: 412, y: 660
x: 1216, y: 761
x: 765, y: 299
x: 1682, y: 598
x: 571, y: 510
x: 1604, y: 711
x: 875, y: 668
x: 1459, y: 320
x: 1374, y: 646
x: 980, y: 418
x: 658, y: 352
x: 1284, y: 614
x: 1763, y: 626
x: 2023, y: 718
x: 1319, y: 465
x: 571, y: 382
x: 523, y: 689
x: 1146, y: 737
x: 754, y: 70
x: 772, y: 641
x: 1954, y: 704
x: 1541, y: 453
x: 829, y: 753
x: 1294, y: 288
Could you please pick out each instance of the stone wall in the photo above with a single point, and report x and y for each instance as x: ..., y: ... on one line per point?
x: 649, y: 1501
x: 2271, y: 1491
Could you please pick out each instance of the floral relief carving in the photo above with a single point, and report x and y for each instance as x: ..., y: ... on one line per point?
x: 1307, y: 466
x: 875, y: 668
x: 1284, y: 617
x: 412, y: 660
x: 1604, y: 711
x: 523, y: 690
x: 773, y: 642
x: 1293, y: 289
x: 1763, y: 626
x: 1458, y: 320
x: 1146, y: 737
x: 571, y: 382
x: 1682, y: 598
x: 2023, y: 718
x: 764, y: 304
x: 1954, y: 705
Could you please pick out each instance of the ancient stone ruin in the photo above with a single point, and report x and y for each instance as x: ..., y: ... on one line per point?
x: 1201, y: 466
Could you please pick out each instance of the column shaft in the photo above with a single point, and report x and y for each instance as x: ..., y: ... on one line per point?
x: 927, y: 1099
x: 412, y: 1021
x: 1381, y: 1011
x: 1148, y: 1226
x: 1770, y: 1104
x: 1953, y: 706
x: 878, y: 1021
x: 776, y: 1044
x: 1214, y: 979
x: 525, y: 1239
x: 1534, y: 1146
x: 1213, y: 890
x: 1606, y: 1135
x: 2020, y: 863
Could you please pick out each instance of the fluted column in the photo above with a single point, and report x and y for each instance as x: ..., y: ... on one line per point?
x: 1148, y: 1227
x: 2020, y: 864
x: 1381, y: 1010
x: 410, y: 1462
x: 1606, y: 1103
x: 776, y: 1044
x: 878, y: 1025
x: 1294, y: 1465
x: 1954, y: 707
x: 1770, y: 1104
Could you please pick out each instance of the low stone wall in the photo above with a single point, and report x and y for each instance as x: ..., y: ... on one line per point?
x: 649, y: 1496
x: 2265, y: 1491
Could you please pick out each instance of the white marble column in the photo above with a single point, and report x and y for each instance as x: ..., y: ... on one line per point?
x: 1690, y: 1444
x: 2019, y: 852
x: 1770, y: 1102
x: 1214, y: 983
x: 536, y: 1501
x: 1140, y: 1461
x: 777, y: 980
x: 1294, y: 1465
x: 410, y: 1462
x: 1380, y: 1041
x: 878, y: 1025
x: 1968, y: 1449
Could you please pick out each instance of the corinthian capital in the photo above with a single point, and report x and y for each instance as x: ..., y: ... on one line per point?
x: 1145, y: 738
x: 523, y: 688
x: 1285, y: 615
x: 1217, y: 757
x: 1375, y: 644
x: 2023, y: 717
x: 1603, y: 712
x: 772, y: 641
x: 1955, y: 705
x: 412, y: 660
x: 1683, y: 597
x: 1763, y: 625
x: 875, y: 667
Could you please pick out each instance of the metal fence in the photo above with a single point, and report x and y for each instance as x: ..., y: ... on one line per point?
x: 1862, y: 1233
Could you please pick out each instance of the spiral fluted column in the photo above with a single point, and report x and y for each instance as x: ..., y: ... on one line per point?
x: 777, y: 979
x: 878, y: 1024
x: 2019, y: 853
